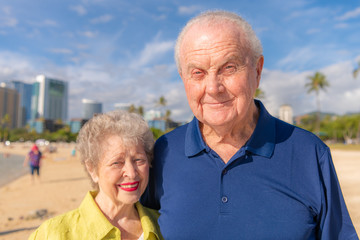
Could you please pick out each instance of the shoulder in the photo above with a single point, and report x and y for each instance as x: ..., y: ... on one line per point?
x: 287, y: 134
x: 57, y: 227
x: 173, y: 137
x: 297, y: 133
x: 152, y: 214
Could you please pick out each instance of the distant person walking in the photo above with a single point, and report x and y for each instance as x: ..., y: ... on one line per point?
x: 33, y: 160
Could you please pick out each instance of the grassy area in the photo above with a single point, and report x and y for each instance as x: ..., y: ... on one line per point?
x: 340, y: 146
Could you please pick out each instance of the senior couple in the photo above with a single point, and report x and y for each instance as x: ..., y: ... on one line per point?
x: 233, y: 172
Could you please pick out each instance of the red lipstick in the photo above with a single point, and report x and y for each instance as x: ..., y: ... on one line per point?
x: 129, y: 187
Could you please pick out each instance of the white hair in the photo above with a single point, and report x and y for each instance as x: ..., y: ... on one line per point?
x: 252, y: 41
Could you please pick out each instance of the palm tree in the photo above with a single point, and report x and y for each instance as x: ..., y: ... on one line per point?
x: 259, y: 93
x: 356, y: 70
x: 132, y: 108
x: 316, y: 83
x: 140, y: 110
x: 162, y: 101
x: 355, y: 74
x: 167, y: 114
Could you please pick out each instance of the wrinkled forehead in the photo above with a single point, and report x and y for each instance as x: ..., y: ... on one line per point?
x: 205, y: 38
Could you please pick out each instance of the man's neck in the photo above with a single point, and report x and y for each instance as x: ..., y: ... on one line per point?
x: 228, y: 139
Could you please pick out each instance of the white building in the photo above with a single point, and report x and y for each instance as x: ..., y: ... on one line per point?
x: 122, y: 106
x: 286, y: 113
x: 90, y: 108
x: 49, y: 99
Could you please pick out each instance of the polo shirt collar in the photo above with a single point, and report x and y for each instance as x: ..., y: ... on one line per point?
x: 261, y: 142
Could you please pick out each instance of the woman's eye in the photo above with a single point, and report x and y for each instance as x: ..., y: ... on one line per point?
x: 116, y: 164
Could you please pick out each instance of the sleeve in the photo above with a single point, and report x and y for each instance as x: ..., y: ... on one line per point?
x: 335, y: 221
x: 41, y: 232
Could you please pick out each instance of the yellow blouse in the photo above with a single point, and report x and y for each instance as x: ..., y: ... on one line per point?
x: 88, y: 222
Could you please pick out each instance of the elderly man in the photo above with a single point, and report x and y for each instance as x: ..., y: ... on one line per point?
x: 234, y: 171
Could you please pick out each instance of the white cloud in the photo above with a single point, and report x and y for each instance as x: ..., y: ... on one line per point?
x: 313, y: 30
x: 342, y: 96
x: 102, y: 19
x: 350, y: 14
x: 341, y: 26
x: 89, y: 34
x: 189, y: 10
x: 298, y: 58
x: 79, y: 9
x: 6, y: 19
x: 15, y: 66
x: 61, y: 50
x: 152, y: 51
x: 44, y: 23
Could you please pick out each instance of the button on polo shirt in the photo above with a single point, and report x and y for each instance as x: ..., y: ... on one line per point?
x: 280, y: 185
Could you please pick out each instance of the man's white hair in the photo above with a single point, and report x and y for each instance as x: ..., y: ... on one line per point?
x: 252, y: 41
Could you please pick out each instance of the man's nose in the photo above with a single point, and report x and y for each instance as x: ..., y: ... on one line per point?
x: 214, y: 84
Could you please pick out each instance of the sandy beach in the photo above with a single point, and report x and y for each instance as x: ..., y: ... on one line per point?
x: 25, y: 205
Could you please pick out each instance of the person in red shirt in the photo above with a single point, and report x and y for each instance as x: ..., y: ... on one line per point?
x: 33, y: 160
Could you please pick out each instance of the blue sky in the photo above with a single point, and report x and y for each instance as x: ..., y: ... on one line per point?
x: 117, y: 51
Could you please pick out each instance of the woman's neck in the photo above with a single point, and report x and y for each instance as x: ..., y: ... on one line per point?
x: 123, y: 216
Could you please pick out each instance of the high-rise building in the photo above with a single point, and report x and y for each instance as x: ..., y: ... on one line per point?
x: 9, y: 106
x: 25, y: 92
x: 49, y: 99
x: 286, y: 113
x: 91, y: 107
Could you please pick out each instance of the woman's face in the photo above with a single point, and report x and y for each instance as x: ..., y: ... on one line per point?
x: 123, y: 171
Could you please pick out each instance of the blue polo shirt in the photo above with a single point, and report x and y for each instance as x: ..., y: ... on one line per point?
x: 280, y: 185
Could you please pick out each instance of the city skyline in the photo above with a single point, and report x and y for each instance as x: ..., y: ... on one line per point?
x: 122, y: 52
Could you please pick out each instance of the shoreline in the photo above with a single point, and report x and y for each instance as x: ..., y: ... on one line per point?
x: 11, y: 168
x: 64, y: 183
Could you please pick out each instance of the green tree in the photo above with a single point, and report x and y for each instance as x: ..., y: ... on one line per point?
x: 356, y: 70
x: 156, y: 132
x: 140, y: 110
x: 316, y: 83
x: 162, y: 101
x: 167, y: 114
x: 259, y: 93
x: 4, y: 130
x: 132, y: 108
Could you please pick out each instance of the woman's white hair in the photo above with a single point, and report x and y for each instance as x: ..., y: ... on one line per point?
x: 252, y: 41
x: 130, y: 127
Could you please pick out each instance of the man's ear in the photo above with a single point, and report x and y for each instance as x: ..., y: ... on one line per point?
x: 92, y: 171
x: 259, y: 68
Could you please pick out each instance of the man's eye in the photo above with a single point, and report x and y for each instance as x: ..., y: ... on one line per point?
x: 229, y: 68
x: 197, y: 73
x: 140, y: 161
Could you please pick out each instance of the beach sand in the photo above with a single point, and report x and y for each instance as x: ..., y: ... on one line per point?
x: 64, y: 184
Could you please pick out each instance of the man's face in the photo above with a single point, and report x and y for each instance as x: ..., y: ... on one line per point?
x: 219, y: 77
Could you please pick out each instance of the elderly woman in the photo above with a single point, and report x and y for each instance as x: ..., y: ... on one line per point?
x: 116, y: 150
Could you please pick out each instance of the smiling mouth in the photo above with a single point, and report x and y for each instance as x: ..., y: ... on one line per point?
x: 129, y: 187
x: 218, y: 104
